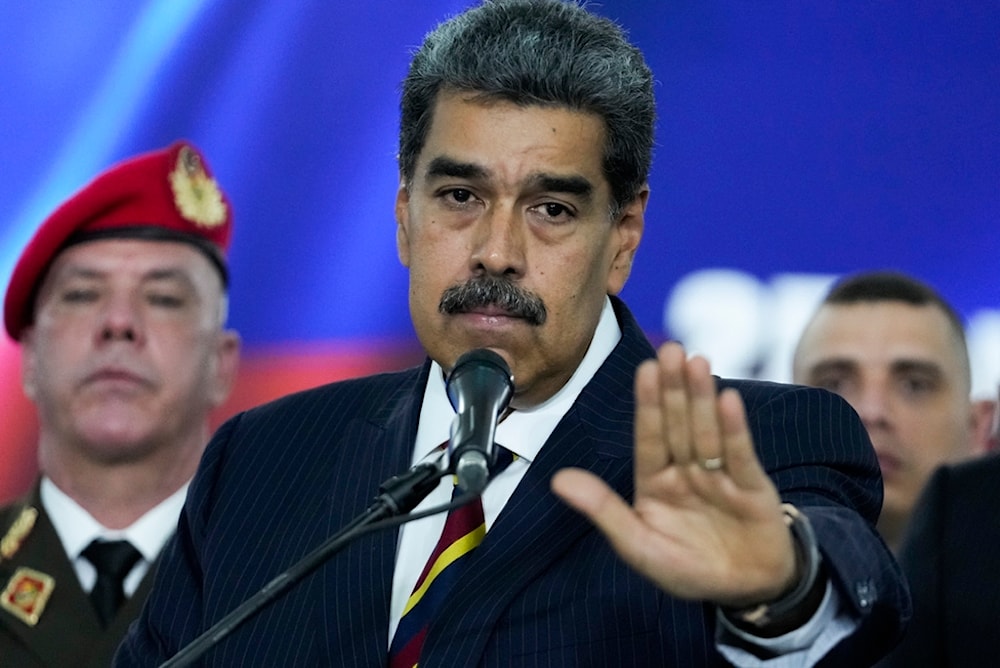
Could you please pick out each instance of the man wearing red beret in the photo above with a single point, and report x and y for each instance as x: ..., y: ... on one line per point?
x: 119, y: 304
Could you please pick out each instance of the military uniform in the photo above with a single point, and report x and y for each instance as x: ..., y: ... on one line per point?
x: 51, y: 624
x: 167, y: 195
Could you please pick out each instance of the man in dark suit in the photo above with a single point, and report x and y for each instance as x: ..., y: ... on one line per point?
x: 525, y: 144
x: 118, y: 303
x: 949, y: 556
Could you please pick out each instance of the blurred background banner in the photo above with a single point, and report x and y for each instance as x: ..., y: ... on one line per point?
x: 795, y: 142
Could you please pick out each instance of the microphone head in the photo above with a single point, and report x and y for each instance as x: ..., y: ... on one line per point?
x: 479, y: 388
x: 482, y: 368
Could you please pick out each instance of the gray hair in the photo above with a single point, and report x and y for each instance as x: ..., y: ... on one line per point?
x: 538, y: 52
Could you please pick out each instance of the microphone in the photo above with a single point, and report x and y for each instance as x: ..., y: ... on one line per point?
x: 479, y: 388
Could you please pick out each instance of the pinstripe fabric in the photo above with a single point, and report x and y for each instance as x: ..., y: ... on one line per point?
x: 543, y: 588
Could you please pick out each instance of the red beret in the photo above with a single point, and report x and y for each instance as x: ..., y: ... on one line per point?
x: 165, y: 195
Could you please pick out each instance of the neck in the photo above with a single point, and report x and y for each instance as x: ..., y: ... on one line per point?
x: 117, y: 494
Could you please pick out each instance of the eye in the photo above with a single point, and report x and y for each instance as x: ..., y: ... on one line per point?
x: 459, y: 195
x: 831, y: 382
x: 917, y: 385
x: 834, y: 384
x: 79, y: 295
x: 165, y: 300
x: 554, y: 212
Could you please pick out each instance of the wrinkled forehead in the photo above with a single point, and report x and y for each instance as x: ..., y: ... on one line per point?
x: 500, y: 139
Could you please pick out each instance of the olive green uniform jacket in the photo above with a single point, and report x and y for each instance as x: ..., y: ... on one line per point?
x: 67, y: 632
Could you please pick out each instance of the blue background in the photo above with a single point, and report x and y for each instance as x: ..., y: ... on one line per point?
x: 813, y: 138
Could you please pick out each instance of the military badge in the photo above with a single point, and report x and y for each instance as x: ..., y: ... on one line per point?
x: 19, y: 530
x: 26, y: 594
x: 196, y: 194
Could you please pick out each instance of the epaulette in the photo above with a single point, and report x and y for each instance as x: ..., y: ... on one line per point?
x: 18, y: 531
x: 26, y: 591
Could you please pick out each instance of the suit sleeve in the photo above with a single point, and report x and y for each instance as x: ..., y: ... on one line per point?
x: 817, y: 452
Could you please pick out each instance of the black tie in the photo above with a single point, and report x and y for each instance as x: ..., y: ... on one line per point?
x: 113, y: 561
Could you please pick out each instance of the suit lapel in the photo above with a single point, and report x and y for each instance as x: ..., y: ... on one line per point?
x: 377, y: 447
x: 535, y: 528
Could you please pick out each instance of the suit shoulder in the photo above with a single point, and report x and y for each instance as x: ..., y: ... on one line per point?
x: 758, y: 392
x: 348, y: 394
x: 971, y: 478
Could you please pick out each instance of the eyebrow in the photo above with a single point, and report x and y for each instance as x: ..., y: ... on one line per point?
x: 155, y: 274
x: 896, y: 367
x: 830, y: 365
x: 571, y: 185
x: 443, y: 166
x: 905, y: 366
x: 447, y: 167
x: 167, y: 274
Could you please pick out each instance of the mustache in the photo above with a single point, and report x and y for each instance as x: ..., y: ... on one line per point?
x: 493, y: 291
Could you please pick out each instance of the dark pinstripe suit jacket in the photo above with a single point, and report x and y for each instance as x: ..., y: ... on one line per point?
x: 950, y: 556
x: 543, y: 589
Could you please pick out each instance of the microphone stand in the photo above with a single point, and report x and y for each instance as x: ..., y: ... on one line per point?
x: 398, y: 496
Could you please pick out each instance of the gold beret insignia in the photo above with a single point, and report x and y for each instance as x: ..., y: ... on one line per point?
x: 196, y: 195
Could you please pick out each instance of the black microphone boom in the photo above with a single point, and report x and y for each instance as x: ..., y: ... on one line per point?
x: 479, y: 388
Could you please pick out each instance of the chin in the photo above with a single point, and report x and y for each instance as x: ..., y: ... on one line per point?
x: 116, y: 438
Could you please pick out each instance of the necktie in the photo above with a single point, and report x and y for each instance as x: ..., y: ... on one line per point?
x: 113, y: 561
x: 464, y: 529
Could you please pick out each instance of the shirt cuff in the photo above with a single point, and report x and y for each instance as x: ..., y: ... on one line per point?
x: 804, y: 646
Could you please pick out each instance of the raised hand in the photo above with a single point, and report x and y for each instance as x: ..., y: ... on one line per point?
x: 706, y: 522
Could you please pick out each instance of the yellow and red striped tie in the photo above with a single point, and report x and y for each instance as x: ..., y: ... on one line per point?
x: 464, y: 529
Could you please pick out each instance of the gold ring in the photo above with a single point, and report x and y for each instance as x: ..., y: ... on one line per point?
x: 712, y: 463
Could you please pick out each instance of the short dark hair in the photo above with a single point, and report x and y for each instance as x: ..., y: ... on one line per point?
x: 895, y: 286
x: 892, y: 286
x: 538, y: 52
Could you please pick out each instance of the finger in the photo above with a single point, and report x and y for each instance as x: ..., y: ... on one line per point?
x: 742, y: 463
x: 651, y: 453
x: 706, y: 441
x: 674, y: 402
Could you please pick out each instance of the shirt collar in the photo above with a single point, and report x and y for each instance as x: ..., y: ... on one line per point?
x: 77, y: 528
x: 523, y: 431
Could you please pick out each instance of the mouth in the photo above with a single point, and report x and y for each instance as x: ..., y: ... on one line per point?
x: 889, y: 463
x: 115, y: 377
x: 492, y: 311
x: 487, y: 320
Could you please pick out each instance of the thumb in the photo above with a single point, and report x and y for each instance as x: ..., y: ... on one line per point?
x: 591, y: 496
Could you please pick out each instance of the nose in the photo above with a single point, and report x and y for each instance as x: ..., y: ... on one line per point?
x: 499, y: 244
x: 872, y: 404
x: 120, y: 320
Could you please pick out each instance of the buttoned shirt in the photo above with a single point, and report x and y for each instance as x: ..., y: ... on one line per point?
x: 77, y: 529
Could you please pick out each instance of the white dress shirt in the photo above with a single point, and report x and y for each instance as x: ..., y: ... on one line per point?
x: 77, y: 528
